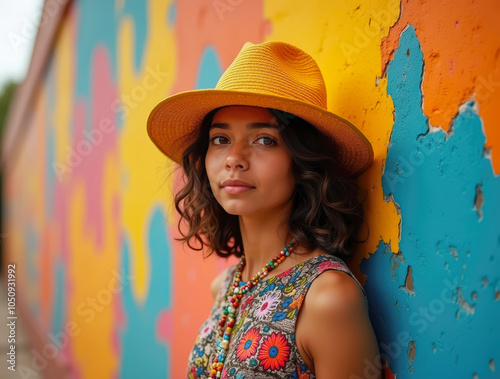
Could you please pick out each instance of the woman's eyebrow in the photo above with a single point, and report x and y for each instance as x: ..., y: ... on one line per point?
x: 251, y: 125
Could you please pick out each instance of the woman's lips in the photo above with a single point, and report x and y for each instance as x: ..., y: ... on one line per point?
x: 236, y: 186
x: 237, y: 189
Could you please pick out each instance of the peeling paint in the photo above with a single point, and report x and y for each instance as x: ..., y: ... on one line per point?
x: 474, y: 50
x: 491, y: 365
x: 484, y: 281
x: 396, y: 259
x: 479, y: 201
x: 441, y: 238
x: 454, y: 252
x: 497, y: 295
x: 464, y: 306
x: 412, y: 347
x: 408, y: 286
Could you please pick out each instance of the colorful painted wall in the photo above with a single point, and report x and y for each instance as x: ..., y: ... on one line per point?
x: 89, y: 217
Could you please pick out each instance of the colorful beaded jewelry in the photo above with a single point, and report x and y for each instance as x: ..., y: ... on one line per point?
x: 235, y: 294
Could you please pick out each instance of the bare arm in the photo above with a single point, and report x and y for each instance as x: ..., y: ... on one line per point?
x: 334, y: 332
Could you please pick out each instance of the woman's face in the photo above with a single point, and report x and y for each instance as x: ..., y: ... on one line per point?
x: 247, y: 163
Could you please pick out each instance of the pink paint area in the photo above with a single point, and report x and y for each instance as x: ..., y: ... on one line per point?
x: 165, y: 326
x: 92, y: 145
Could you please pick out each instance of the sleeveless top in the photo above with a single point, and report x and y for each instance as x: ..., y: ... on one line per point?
x: 263, y: 341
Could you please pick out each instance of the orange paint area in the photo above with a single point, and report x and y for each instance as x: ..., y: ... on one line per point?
x: 461, y: 49
x: 221, y: 24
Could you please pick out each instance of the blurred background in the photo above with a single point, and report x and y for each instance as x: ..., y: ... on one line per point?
x: 103, y: 289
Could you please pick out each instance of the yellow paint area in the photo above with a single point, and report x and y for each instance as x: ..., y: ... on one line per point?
x: 94, y: 278
x: 145, y: 180
x: 344, y: 38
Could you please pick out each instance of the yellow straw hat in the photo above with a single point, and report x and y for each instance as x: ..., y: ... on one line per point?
x: 269, y: 75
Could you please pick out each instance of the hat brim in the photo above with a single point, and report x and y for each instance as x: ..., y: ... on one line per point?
x: 179, y: 115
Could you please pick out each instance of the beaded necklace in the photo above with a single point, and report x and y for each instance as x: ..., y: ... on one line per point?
x: 236, y: 293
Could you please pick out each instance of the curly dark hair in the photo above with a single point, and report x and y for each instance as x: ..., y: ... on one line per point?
x: 326, y: 212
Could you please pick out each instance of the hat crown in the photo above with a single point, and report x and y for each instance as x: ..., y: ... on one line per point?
x: 278, y: 69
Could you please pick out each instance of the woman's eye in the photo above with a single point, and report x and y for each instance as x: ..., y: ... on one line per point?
x: 267, y: 141
x: 219, y: 140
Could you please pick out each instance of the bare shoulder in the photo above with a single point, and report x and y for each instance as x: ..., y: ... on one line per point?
x: 334, y: 332
x: 217, y: 283
x: 333, y: 293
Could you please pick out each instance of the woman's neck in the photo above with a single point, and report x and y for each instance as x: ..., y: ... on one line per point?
x: 263, y: 238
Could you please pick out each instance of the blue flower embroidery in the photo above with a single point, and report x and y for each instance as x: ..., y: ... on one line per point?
x: 287, y: 302
x: 279, y: 316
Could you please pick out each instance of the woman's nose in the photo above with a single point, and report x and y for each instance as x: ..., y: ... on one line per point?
x: 237, y: 158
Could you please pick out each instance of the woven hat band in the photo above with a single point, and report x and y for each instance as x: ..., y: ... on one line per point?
x: 280, y: 70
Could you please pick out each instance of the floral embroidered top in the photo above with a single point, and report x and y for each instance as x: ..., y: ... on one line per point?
x: 263, y: 341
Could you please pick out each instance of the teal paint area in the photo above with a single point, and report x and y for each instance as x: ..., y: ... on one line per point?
x: 172, y: 14
x: 143, y: 355
x: 136, y: 9
x: 210, y: 69
x: 433, y: 304
x: 58, y: 329
x: 97, y: 24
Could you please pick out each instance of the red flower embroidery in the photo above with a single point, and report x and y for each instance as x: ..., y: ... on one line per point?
x: 274, y: 352
x: 192, y: 373
x: 246, y: 303
x: 248, y: 344
x: 327, y: 264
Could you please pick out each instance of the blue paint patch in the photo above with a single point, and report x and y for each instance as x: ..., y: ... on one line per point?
x: 136, y: 10
x: 143, y: 356
x: 58, y: 308
x: 97, y: 25
x: 210, y: 69
x: 434, y: 179
x: 172, y: 14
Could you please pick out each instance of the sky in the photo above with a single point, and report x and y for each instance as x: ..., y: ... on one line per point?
x: 18, y: 27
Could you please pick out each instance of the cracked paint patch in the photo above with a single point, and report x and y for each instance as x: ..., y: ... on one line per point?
x: 478, y: 202
x: 408, y: 286
x: 462, y: 32
x: 412, y: 347
x: 454, y: 252
x: 441, y: 237
x: 464, y: 306
x: 396, y: 259
x: 484, y: 281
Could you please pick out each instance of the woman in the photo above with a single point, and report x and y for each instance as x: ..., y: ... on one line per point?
x: 271, y: 179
